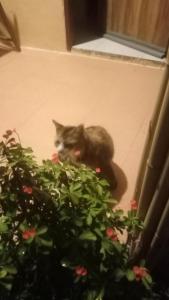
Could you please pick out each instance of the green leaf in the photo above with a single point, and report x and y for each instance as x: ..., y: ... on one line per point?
x: 100, y: 295
x: 8, y: 286
x: 105, y: 246
x: 43, y: 242
x: 119, y: 274
x: 3, y: 227
x: 146, y: 284
x: 118, y: 246
x: 88, y: 235
x: 148, y: 278
x: 130, y: 275
x: 28, y: 150
x: 23, y: 226
x: 75, y: 198
x: 111, y: 201
x: 104, y: 183
x: 102, y: 227
x: 30, y: 240
x: 98, y: 231
x: 10, y: 269
x: 99, y: 189
x: 12, y: 197
x: 130, y: 214
x: 4, y: 224
x: 142, y: 263
x: 118, y: 212
x: 76, y: 186
x: 89, y: 220
x: 41, y: 230
x: 103, y: 268
x: 79, y: 222
x: 3, y: 273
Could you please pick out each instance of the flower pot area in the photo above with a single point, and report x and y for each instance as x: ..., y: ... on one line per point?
x: 60, y: 232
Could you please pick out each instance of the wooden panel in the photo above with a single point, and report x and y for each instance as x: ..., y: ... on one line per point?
x: 147, y: 20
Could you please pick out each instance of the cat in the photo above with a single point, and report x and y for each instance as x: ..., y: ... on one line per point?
x: 92, y: 146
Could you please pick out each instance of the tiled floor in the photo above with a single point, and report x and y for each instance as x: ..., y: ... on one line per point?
x: 111, y: 47
x: 37, y: 86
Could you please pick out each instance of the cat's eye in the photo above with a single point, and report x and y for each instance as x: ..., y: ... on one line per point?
x: 57, y: 143
x: 69, y: 145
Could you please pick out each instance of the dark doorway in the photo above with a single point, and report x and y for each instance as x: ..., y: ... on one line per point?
x: 85, y: 20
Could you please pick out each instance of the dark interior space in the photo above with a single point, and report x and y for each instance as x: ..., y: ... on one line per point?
x: 87, y: 19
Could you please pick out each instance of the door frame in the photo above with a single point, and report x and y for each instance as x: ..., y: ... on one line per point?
x: 68, y: 25
x: 102, y: 21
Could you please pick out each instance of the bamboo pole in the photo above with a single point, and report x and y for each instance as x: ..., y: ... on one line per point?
x: 156, y: 209
x: 157, y: 156
x: 150, y: 134
x: 159, y: 247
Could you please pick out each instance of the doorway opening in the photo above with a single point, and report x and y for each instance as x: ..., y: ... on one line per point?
x: 85, y: 20
x: 118, y: 27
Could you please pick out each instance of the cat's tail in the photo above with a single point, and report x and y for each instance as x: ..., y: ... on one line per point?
x: 109, y: 175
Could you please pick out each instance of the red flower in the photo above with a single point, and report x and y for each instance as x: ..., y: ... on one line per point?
x: 134, y: 205
x: 98, y: 170
x: 77, y: 153
x: 27, y: 189
x: 30, y: 233
x: 140, y: 272
x: 55, y: 158
x: 111, y: 234
x: 81, y: 271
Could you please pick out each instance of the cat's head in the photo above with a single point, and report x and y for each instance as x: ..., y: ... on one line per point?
x: 69, y: 139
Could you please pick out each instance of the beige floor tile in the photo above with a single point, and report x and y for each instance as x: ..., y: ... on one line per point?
x: 37, y: 86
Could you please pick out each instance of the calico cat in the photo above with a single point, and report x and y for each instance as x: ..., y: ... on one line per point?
x: 92, y: 146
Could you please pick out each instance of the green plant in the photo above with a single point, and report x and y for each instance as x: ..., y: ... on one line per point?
x: 59, y: 236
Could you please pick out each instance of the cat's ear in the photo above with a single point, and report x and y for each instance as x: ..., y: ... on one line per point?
x: 58, y: 126
x: 80, y: 129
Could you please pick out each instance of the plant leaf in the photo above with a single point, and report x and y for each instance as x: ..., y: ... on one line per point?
x: 3, y: 227
x: 146, y: 284
x: 88, y: 235
x: 3, y: 273
x: 148, y: 278
x: 119, y: 274
x: 89, y: 220
x: 43, y: 242
x: 130, y: 275
x: 41, y: 230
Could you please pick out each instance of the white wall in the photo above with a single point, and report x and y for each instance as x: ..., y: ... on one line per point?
x: 41, y: 23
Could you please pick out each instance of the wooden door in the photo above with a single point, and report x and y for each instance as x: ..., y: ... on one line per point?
x: 145, y: 20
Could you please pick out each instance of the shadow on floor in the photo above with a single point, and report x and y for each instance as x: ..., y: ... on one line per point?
x: 121, y: 183
x: 3, y: 52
